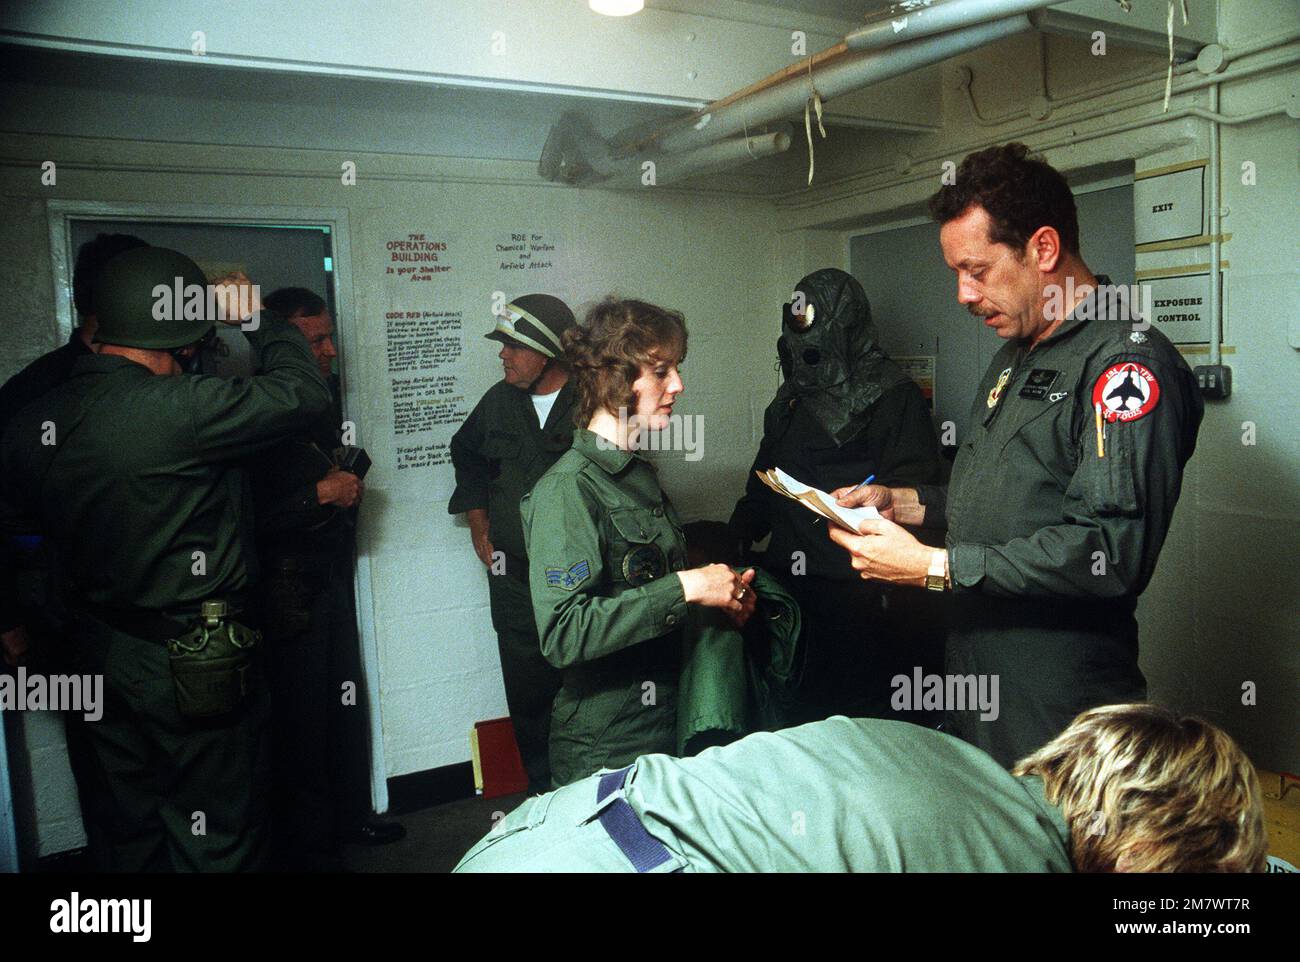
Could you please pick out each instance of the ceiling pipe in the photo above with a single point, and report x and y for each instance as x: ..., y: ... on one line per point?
x: 575, y: 154
x: 674, y: 167
x: 836, y: 76
x: 904, y: 21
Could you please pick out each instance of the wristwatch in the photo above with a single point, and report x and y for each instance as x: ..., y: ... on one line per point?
x: 936, y: 579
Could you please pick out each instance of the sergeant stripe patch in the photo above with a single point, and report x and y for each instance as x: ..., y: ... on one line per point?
x: 568, y: 578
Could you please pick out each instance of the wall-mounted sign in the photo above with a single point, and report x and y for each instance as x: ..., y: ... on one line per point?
x: 1181, y: 307
x: 1169, y: 206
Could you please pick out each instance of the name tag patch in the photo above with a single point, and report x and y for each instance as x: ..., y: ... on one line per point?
x: 1038, y: 383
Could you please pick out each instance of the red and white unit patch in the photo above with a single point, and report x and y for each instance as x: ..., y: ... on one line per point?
x: 1126, y: 392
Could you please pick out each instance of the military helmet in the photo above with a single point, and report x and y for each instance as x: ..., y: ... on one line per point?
x: 152, y: 298
x: 534, y: 320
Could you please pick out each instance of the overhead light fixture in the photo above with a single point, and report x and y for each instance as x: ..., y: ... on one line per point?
x: 617, y: 8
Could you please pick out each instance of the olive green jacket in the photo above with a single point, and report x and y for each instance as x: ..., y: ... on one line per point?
x: 1052, y: 532
x: 1033, y: 498
x: 500, y: 452
x: 603, y: 541
x: 135, y: 476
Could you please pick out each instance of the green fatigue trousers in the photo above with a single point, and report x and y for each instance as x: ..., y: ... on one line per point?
x: 531, y: 681
x: 599, y: 724
x: 173, y: 794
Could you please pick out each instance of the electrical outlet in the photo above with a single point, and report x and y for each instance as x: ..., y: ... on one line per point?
x: 1214, y: 380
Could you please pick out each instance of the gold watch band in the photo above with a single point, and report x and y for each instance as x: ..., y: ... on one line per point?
x: 936, y: 579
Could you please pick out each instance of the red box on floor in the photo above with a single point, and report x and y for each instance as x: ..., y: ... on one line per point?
x: 498, y: 769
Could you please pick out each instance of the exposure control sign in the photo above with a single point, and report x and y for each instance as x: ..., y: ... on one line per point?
x: 1181, y: 307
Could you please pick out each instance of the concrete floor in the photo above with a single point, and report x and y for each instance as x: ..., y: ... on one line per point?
x: 436, y: 838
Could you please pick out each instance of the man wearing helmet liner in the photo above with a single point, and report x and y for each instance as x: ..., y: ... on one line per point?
x: 519, y: 429
x: 127, y: 467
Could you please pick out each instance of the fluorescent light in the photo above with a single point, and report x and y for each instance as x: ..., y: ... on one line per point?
x: 617, y: 8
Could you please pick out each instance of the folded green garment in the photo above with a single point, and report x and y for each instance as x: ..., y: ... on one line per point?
x: 735, y: 682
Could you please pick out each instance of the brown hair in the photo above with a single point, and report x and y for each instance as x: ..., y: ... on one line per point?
x: 606, y: 352
x: 1169, y: 792
x: 1020, y: 193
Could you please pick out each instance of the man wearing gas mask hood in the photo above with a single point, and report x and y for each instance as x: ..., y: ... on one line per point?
x: 843, y: 413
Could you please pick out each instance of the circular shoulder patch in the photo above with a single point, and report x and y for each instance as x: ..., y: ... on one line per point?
x: 643, y: 564
x: 1126, y: 391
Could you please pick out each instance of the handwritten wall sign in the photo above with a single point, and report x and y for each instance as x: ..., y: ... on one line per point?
x: 424, y: 342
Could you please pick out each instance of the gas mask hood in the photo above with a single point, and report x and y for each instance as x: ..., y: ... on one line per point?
x: 194, y: 363
x: 828, y: 341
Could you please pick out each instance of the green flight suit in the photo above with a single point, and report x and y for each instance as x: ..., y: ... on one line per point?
x: 149, y: 518
x: 498, y: 454
x: 1049, y: 543
x: 604, y: 541
x: 840, y: 795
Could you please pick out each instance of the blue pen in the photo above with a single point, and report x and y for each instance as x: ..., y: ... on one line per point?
x: 867, y: 480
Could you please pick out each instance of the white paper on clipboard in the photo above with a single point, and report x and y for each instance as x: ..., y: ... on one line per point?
x: 821, y: 502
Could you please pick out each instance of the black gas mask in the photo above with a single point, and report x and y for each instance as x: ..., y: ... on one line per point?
x: 828, y: 348
x: 806, y: 339
x: 192, y: 363
x: 799, y: 319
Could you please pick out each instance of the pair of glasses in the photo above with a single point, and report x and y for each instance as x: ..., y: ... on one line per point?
x: 798, y: 321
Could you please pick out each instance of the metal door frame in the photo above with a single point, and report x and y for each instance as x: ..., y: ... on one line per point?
x: 61, y: 213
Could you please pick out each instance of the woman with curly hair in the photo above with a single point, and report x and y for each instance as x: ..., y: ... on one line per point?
x: 607, y: 568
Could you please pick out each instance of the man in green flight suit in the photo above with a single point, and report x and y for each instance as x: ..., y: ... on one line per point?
x: 128, y: 468
x: 1124, y: 788
x: 518, y: 429
x: 1067, y: 476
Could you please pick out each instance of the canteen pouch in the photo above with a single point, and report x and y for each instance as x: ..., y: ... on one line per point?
x: 212, y: 667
